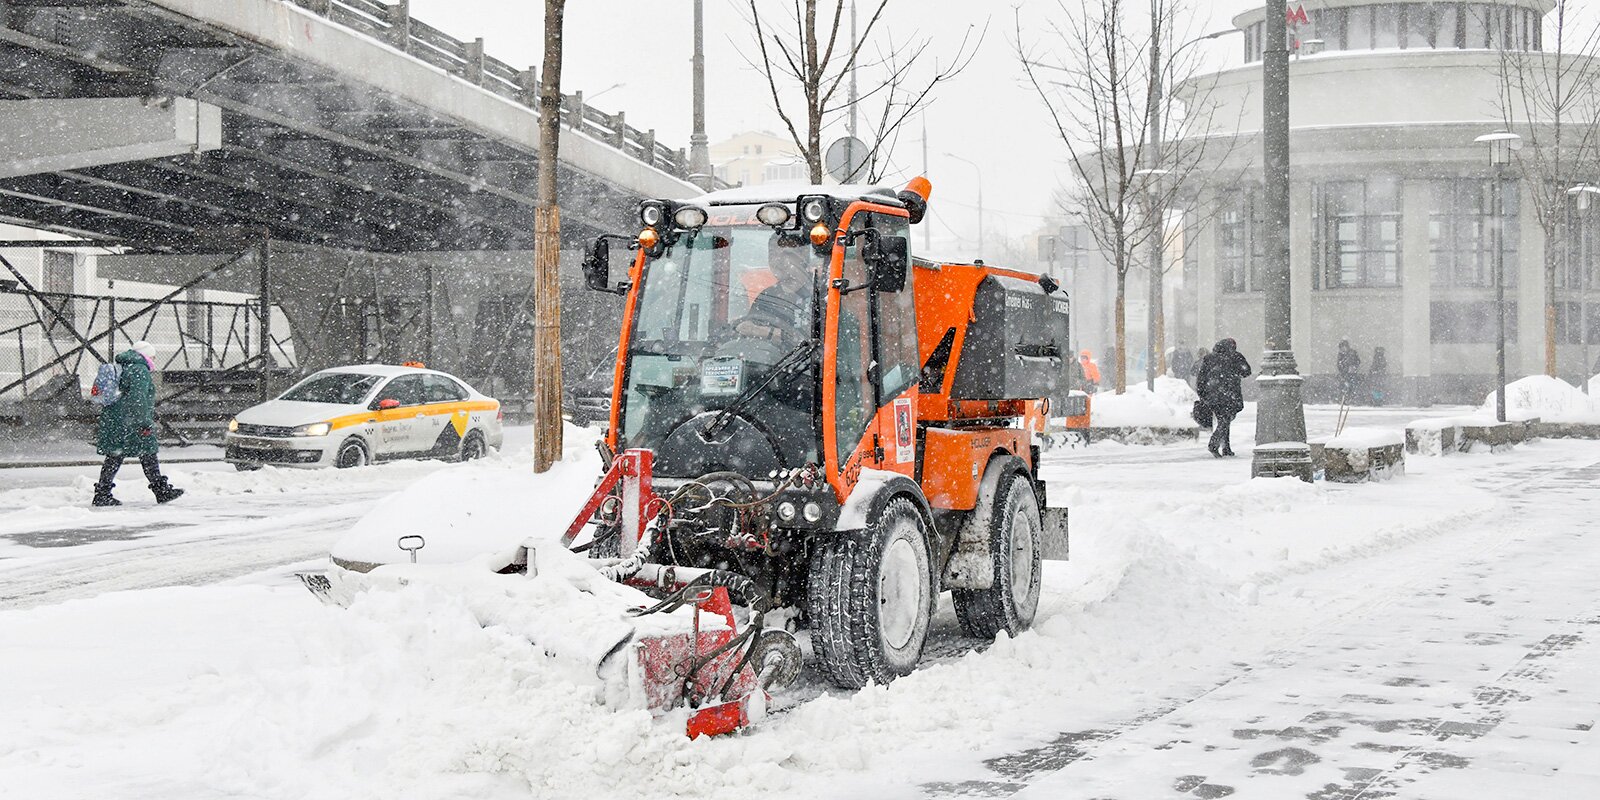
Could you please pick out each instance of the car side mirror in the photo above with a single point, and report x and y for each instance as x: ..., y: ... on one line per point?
x: 887, y: 257
x: 387, y: 403
x: 597, y: 266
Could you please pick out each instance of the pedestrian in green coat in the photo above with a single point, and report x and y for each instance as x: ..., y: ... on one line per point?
x: 128, y: 428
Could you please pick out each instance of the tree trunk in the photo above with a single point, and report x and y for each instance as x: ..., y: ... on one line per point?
x: 1550, y: 306
x: 1121, y: 322
x: 547, y: 255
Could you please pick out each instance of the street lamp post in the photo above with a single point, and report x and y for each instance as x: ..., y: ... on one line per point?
x: 975, y: 168
x: 699, y: 150
x: 1582, y: 193
x: 1281, y: 448
x: 1501, y: 144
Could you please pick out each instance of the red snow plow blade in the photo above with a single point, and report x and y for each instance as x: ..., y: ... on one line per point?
x: 721, y: 672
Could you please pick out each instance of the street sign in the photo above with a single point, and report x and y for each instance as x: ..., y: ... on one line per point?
x: 846, y: 159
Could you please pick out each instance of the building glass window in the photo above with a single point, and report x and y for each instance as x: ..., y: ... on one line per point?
x: 1386, y: 27
x: 1578, y: 244
x: 1416, y: 25
x: 1240, y: 246
x: 1470, y: 322
x: 1459, y: 232
x: 1357, y: 227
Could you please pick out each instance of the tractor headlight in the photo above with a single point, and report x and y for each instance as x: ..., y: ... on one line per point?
x: 813, y: 209
x: 786, y: 511
x: 651, y: 214
x: 233, y: 425
x: 775, y: 215
x: 690, y: 218
x: 314, y: 429
x: 812, y: 511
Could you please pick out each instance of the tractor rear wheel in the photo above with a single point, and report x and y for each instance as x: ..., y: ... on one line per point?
x: 869, y: 598
x: 1015, y: 545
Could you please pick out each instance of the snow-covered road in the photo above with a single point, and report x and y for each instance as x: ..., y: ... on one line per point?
x: 1433, y: 637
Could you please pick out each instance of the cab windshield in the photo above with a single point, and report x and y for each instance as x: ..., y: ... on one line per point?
x: 340, y: 388
x: 726, y: 322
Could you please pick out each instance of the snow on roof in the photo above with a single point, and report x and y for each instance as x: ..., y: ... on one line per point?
x: 378, y: 369
x: 768, y: 193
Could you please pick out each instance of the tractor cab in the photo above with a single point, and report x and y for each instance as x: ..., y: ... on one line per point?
x: 761, y: 335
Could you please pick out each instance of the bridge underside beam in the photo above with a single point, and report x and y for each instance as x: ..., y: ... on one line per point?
x: 50, y: 135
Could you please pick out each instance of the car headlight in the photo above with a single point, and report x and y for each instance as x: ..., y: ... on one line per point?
x: 314, y: 429
x: 233, y: 425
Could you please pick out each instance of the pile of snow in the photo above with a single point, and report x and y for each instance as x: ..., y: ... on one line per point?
x: 1549, y: 399
x: 1169, y: 406
x: 1363, y: 438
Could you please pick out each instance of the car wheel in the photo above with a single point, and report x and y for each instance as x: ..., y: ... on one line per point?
x: 352, y: 454
x: 472, y: 447
x: 247, y: 467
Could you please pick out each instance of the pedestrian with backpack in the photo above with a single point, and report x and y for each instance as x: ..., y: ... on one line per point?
x: 126, y: 393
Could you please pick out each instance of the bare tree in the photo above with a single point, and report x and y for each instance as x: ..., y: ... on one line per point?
x: 1094, y: 73
x: 1550, y: 96
x: 547, y: 254
x: 801, y: 47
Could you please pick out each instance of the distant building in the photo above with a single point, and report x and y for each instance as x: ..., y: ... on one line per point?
x: 753, y: 158
x: 1390, y: 204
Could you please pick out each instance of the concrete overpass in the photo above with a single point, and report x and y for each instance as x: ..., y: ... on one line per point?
x: 171, y: 125
x: 371, y: 175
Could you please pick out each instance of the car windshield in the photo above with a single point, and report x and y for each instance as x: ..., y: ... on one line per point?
x: 717, y: 312
x: 342, y: 388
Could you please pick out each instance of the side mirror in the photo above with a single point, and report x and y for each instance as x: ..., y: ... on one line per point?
x: 387, y: 403
x: 597, y: 266
x: 887, y: 257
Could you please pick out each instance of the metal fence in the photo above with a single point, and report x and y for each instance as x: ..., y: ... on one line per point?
x: 393, y: 24
x: 46, y: 337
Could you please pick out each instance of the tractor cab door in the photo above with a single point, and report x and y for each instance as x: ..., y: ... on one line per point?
x: 873, y: 407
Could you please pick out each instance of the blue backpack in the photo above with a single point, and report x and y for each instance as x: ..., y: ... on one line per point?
x: 107, y: 388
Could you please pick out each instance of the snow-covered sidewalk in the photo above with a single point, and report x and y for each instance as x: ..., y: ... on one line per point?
x: 1196, y: 602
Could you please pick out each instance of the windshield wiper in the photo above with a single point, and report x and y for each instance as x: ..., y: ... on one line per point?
x: 790, y: 363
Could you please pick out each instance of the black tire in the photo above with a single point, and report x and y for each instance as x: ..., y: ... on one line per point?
x: 1015, y: 527
x: 352, y: 453
x: 472, y: 447
x: 246, y: 467
x: 864, y: 627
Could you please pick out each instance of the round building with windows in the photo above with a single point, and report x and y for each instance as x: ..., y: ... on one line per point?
x: 1393, y: 203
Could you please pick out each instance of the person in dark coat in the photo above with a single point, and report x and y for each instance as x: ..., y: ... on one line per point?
x: 128, y: 428
x: 1182, y: 363
x: 1348, y: 364
x: 1378, y: 376
x: 1221, y: 379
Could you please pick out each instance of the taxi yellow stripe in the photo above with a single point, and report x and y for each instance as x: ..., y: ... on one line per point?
x: 428, y: 409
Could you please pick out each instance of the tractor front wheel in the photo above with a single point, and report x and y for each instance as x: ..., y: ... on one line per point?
x: 869, y: 598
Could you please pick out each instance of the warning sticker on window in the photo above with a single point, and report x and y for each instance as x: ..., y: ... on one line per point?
x: 721, y: 376
x: 904, y: 452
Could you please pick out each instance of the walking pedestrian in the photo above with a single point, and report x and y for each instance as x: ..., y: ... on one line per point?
x: 1222, y: 374
x: 1378, y: 376
x: 1348, y: 365
x: 128, y: 428
x: 1182, y: 363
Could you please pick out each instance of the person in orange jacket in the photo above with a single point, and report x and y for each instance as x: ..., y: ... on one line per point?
x: 1091, y: 370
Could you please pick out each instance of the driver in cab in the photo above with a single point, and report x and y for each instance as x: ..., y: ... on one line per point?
x: 782, y: 312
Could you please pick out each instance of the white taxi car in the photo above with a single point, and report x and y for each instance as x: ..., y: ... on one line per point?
x: 350, y: 416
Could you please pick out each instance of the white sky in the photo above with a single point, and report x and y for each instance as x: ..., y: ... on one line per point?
x: 987, y: 115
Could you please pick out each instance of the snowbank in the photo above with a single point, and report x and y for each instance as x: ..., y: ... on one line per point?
x: 1360, y: 438
x: 1550, y: 399
x: 1169, y: 406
